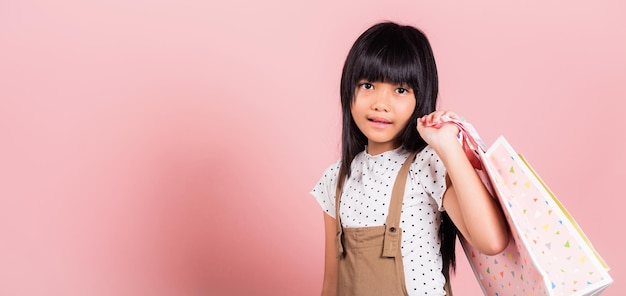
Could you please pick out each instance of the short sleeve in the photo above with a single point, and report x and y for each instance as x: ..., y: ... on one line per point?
x: 324, y: 190
x: 432, y: 174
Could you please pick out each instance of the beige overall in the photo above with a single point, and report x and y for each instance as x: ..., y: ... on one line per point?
x: 370, y: 258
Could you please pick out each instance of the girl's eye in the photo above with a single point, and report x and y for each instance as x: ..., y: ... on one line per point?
x: 366, y: 85
x: 402, y: 90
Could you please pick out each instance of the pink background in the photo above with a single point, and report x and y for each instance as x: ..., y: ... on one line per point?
x: 168, y: 147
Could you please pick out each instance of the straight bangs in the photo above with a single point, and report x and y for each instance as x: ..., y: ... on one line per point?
x: 389, y: 63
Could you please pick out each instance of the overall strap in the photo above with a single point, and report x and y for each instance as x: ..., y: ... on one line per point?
x: 392, y: 230
x: 339, y: 237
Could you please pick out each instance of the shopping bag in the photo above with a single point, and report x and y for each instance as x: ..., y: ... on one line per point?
x: 548, y: 253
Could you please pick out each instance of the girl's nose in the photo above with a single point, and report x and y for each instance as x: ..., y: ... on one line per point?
x: 381, y: 107
x: 382, y: 102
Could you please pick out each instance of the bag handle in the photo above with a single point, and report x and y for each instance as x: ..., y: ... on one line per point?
x: 471, y: 141
x: 474, y: 149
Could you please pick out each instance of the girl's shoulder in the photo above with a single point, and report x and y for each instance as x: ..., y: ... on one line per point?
x: 427, y: 157
x: 333, y: 168
x: 331, y: 173
x: 427, y: 153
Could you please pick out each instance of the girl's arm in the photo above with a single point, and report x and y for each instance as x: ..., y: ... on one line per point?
x: 329, y: 287
x: 468, y: 203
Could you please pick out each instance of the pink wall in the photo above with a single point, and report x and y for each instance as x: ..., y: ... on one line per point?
x: 168, y: 147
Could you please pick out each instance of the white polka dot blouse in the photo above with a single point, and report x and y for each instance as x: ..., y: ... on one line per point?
x: 365, y: 202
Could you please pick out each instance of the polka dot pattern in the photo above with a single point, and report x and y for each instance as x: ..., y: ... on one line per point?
x: 365, y: 202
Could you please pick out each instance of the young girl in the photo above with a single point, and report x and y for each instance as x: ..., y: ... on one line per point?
x: 391, y: 226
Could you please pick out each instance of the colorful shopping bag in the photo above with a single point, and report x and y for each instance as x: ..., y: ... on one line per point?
x: 548, y: 253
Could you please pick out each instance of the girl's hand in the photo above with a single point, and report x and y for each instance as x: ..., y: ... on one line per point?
x: 433, y: 132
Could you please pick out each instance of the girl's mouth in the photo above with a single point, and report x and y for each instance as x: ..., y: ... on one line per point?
x: 379, y: 122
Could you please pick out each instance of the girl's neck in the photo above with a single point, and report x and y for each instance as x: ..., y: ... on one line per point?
x: 379, y: 148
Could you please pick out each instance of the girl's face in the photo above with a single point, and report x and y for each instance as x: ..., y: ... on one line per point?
x: 381, y: 110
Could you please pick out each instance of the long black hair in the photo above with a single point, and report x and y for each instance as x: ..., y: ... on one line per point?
x: 389, y: 52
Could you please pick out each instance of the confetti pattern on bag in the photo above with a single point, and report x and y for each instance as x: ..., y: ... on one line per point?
x: 548, y: 255
x: 510, y: 272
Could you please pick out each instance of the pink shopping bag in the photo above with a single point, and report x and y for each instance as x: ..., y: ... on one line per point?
x: 548, y: 253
